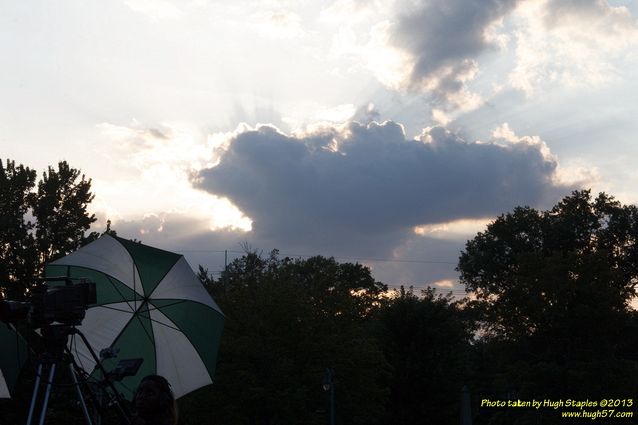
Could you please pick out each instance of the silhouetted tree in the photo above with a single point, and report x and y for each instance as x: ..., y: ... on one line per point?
x: 214, y: 287
x: 17, y: 244
x: 426, y: 340
x: 286, y: 321
x: 60, y: 208
x: 553, y: 289
x: 41, y: 225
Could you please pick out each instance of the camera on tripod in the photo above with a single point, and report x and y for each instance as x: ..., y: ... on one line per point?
x: 54, y: 299
x: 54, y: 308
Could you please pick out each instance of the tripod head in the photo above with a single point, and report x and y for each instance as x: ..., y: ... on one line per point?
x: 54, y: 340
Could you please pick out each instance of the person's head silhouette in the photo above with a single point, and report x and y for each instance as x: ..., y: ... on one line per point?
x: 154, y: 402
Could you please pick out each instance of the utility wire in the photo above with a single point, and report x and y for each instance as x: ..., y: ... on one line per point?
x: 456, y: 292
x: 284, y: 254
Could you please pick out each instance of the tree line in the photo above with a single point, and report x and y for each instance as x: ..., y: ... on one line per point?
x: 548, y: 315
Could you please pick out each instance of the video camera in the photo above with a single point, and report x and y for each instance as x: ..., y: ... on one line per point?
x: 52, y: 313
x: 54, y: 299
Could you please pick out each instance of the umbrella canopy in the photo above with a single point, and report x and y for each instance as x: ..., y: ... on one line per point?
x: 13, y: 355
x: 150, y: 305
x: 4, y: 388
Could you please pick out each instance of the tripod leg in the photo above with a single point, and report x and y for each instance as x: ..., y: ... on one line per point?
x: 80, y: 396
x: 34, y: 397
x: 45, y: 403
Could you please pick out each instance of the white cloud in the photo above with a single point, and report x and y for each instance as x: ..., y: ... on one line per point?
x: 449, y: 87
x: 155, y: 9
x: 579, y: 174
x: 453, y: 230
x: 445, y: 283
x: 151, y: 172
x: 371, y: 50
x: 351, y: 12
x: 338, y: 114
x: 504, y: 133
x: 440, y: 117
x: 570, y: 43
x: 173, y: 145
x: 276, y: 24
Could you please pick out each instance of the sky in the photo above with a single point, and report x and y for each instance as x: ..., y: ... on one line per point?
x: 383, y: 132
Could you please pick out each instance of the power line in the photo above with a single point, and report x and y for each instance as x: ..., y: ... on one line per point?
x: 383, y: 260
x: 379, y: 260
x: 395, y: 286
x: 203, y: 250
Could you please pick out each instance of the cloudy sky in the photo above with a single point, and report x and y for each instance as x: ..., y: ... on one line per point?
x: 386, y: 132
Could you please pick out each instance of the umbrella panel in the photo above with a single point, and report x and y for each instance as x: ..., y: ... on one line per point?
x: 190, y: 315
x: 135, y: 341
x: 13, y: 355
x: 151, y: 263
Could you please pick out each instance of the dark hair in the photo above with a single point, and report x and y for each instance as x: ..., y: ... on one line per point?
x: 170, y: 406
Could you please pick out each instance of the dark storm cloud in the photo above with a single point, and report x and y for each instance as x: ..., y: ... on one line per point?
x: 444, y: 37
x: 366, y: 187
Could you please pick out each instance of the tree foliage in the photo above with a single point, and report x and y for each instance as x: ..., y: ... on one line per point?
x: 286, y: 321
x: 398, y: 357
x: 426, y: 339
x: 40, y: 224
x: 553, y: 289
x: 61, y: 211
x: 530, y: 266
x: 17, y: 245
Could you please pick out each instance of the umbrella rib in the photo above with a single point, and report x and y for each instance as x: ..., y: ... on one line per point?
x: 137, y: 315
x: 160, y: 309
x: 116, y: 309
x: 157, y: 321
x: 119, y: 292
x: 168, y: 305
x: 134, y: 284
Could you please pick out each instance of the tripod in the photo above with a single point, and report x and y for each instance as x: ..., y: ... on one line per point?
x: 50, y: 366
x: 56, y: 355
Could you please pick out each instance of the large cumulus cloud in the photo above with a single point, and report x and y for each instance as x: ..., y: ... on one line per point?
x: 365, y: 187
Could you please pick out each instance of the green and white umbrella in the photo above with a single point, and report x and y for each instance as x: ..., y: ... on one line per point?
x: 13, y: 355
x: 151, y: 305
x: 4, y: 387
